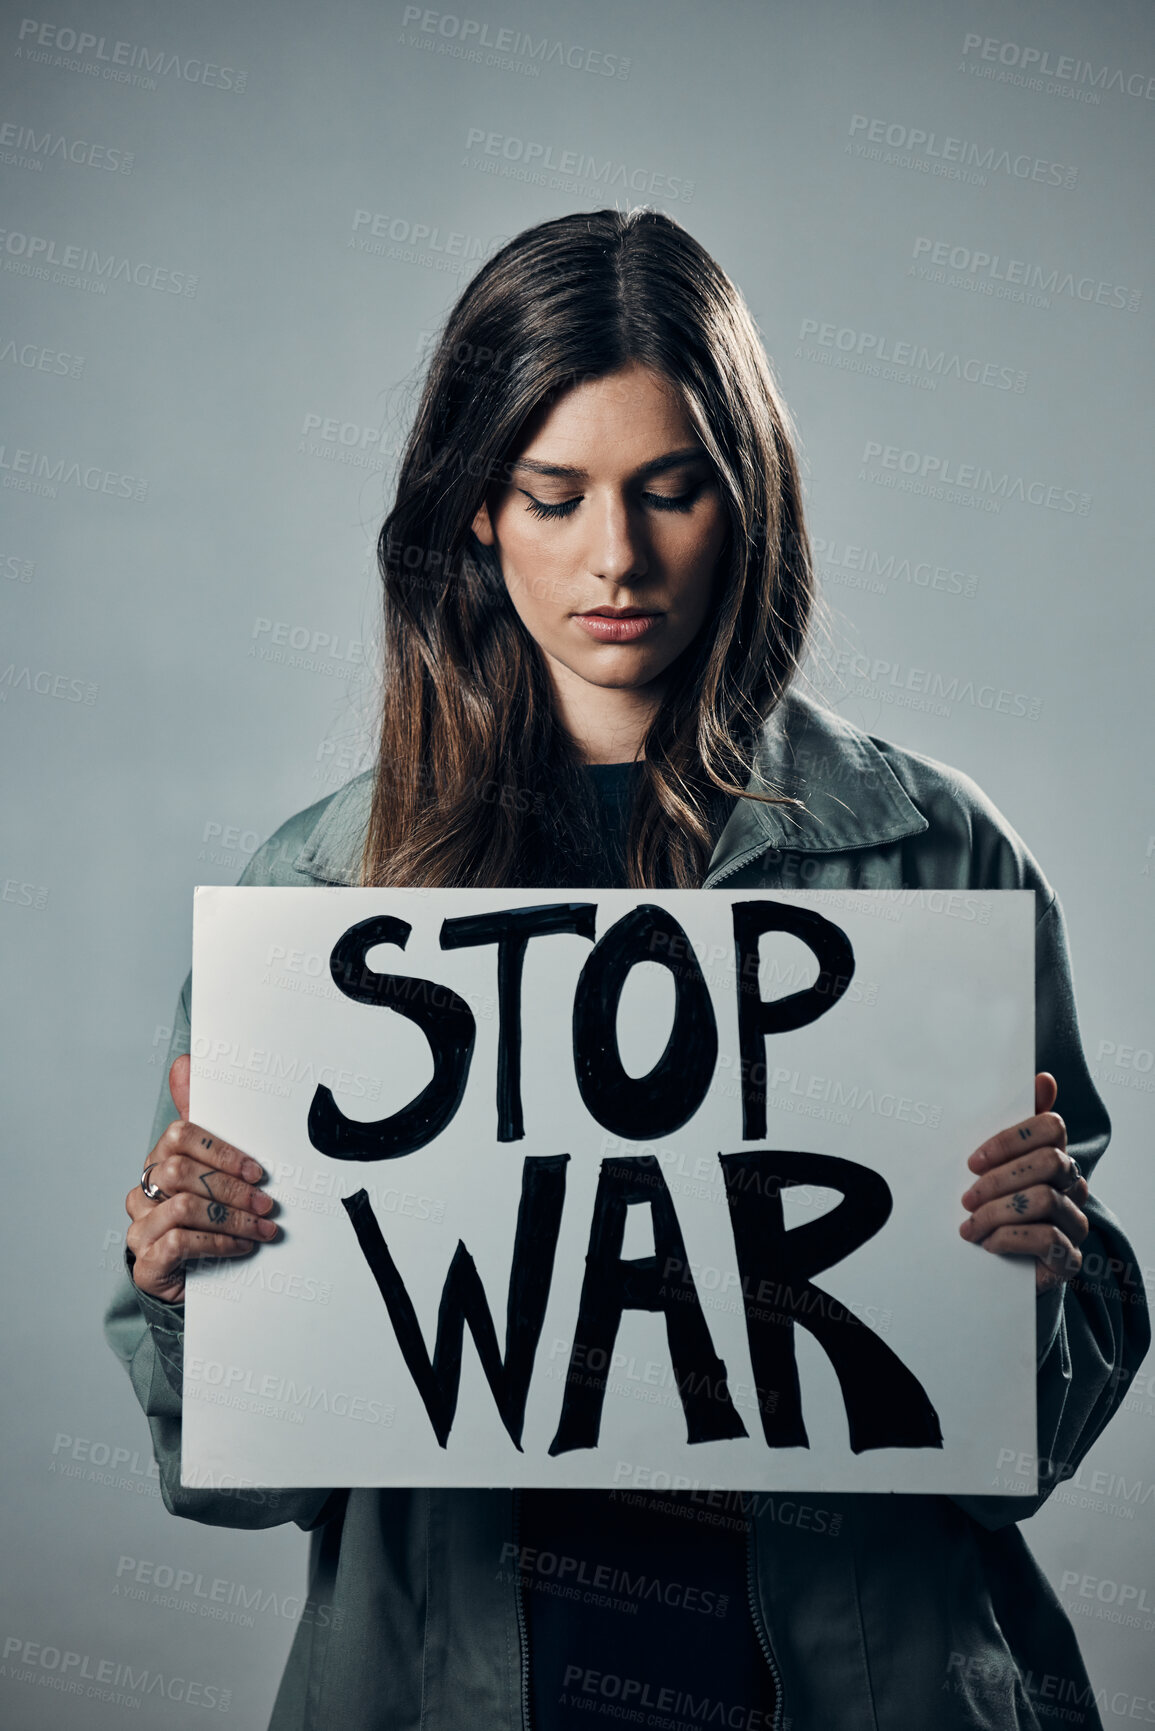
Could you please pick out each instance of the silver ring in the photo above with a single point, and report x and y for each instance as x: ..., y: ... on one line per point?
x: 1073, y: 1180
x: 151, y: 1190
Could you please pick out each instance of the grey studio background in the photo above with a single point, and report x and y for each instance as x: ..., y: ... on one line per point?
x: 217, y: 293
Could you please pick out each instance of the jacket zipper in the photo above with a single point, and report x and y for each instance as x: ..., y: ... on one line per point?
x: 756, y: 1616
x: 755, y: 1609
x: 522, y: 1627
x: 713, y: 879
x: 760, y: 1628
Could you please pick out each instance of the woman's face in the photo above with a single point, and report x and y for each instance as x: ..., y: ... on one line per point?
x: 612, y: 507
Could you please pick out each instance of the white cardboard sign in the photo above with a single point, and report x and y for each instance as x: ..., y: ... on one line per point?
x: 611, y: 1187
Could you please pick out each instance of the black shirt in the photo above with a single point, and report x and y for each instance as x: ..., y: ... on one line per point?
x: 614, y: 784
x: 636, y: 1603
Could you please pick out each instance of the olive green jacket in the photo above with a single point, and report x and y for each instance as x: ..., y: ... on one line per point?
x: 878, y: 1613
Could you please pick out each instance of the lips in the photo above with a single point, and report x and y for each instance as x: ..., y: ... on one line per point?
x: 619, y: 613
x: 618, y: 625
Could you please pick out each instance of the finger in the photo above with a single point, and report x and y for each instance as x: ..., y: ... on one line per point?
x: 178, y: 1084
x: 1039, y: 1203
x: 179, y: 1174
x: 1051, y: 1247
x: 137, y: 1204
x: 1045, y: 1129
x: 181, y: 1137
x: 186, y: 1212
x: 1041, y: 1166
x: 1052, y: 1270
x: 160, y: 1268
x: 1046, y: 1091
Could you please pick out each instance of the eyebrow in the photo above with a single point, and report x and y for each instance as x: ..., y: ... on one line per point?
x: 565, y: 472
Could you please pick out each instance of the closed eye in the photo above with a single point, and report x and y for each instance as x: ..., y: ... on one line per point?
x: 656, y: 501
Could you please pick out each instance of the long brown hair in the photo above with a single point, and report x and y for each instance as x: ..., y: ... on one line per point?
x: 478, y: 782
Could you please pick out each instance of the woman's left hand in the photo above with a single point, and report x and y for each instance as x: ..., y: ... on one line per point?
x: 1026, y: 1201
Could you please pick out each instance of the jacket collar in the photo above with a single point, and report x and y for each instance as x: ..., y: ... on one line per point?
x: 851, y: 799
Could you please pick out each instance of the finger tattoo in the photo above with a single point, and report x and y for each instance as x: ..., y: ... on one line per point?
x: 218, y: 1213
x: 1019, y: 1203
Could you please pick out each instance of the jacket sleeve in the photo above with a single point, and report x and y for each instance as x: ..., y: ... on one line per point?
x: 1093, y: 1331
x: 147, y: 1336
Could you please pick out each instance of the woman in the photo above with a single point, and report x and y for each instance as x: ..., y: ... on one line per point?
x: 597, y: 593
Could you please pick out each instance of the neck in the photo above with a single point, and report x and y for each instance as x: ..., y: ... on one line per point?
x: 607, y: 723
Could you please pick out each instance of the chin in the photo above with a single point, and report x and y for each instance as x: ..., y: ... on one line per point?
x: 617, y: 679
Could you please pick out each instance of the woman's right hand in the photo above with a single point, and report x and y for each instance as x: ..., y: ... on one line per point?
x: 212, y: 1204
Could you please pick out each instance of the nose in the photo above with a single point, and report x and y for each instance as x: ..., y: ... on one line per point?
x: 617, y: 545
